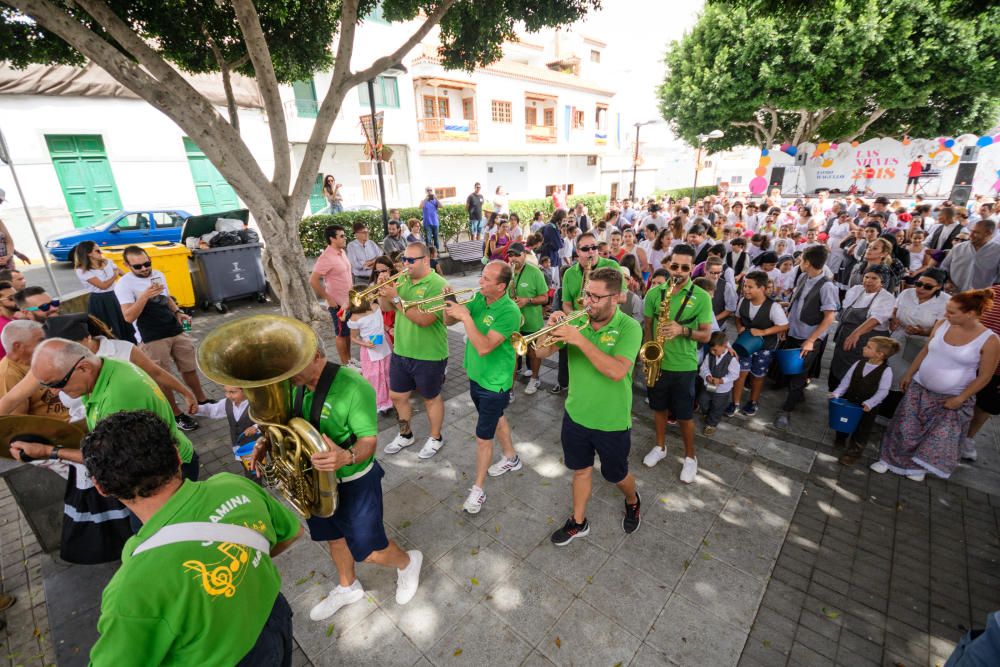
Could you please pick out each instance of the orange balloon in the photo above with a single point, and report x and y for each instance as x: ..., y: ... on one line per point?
x: 855, y: 144
x: 906, y: 141
x: 823, y: 147
x: 827, y: 163
x: 765, y: 160
x: 760, y: 171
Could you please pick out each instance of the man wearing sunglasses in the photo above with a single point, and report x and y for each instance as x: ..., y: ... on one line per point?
x: 35, y: 304
x: 420, y: 354
x: 598, y: 416
x: 146, y: 302
x: 690, y: 323
x: 20, y: 338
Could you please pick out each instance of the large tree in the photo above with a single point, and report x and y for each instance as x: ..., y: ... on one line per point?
x: 771, y: 71
x: 145, y: 44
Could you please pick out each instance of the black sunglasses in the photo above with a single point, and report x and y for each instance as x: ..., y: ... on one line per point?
x: 144, y: 265
x: 586, y: 248
x: 45, y: 307
x: 62, y: 383
x: 680, y: 267
x: 925, y: 285
x: 412, y: 260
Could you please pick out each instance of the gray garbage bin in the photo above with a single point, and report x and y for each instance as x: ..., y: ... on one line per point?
x: 228, y: 272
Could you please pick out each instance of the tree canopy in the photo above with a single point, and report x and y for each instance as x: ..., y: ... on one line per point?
x: 771, y: 71
x: 146, y: 44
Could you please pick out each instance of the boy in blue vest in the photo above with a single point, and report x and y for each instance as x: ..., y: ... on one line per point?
x: 762, y: 316
x: 718, y: 371
x: 866, y: 383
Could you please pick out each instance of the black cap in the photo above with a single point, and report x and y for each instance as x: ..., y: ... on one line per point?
x: 516, y: 246
x: 767, y: 257
x: 882, y: 200
x: 72, y: 327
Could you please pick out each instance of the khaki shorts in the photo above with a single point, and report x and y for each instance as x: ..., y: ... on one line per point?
x: 180, y: 348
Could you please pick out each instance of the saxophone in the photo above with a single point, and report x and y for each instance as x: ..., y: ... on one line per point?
x: 651, y: 352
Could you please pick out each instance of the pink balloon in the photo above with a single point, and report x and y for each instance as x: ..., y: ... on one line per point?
x: 758, y: 185
x: 833, y: 146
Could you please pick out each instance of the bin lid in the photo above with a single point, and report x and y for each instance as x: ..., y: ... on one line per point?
x: 158, y: 249
x: 199, y: 225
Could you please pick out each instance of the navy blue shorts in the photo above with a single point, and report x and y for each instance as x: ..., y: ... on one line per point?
x: 579, y: 444
x: 340, y: 328
x: 358, y: 518
x: 758, y: 363
x: 674, y: 391
x: 406, y: 374
x: 490, y: 405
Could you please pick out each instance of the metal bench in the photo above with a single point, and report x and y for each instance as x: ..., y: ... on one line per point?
x: 461, y: 255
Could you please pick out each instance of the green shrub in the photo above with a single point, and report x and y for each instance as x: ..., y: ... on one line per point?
x: 453, y: 219
x: 677, y: 193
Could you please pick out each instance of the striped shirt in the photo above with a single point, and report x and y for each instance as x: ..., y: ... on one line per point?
x: 991, y: 318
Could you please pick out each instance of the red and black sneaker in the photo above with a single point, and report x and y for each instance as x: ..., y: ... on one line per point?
x: 570, y: 531
x: 631, y: 520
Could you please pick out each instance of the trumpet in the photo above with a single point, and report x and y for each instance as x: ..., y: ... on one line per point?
x: 521, y: 342
x: 424, y: 304
x: 358, y: 298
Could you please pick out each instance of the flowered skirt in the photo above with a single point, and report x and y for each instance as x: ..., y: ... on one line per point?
x: 925, y: 436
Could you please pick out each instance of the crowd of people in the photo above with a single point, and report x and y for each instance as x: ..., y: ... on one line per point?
x: 702, y: 304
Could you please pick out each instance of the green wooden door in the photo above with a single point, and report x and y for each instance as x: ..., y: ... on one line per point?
x: 317, y: 201
x: 214, y: 193
x: 84, y: 175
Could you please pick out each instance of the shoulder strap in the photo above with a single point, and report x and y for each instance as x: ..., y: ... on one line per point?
x: 326, y: 379
x: 205, y: 531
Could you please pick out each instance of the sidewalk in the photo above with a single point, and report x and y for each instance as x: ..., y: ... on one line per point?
x: 776, y: 555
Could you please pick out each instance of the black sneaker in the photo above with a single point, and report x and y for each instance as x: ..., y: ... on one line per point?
x: 570, y: 531
x: 207, y: 401
x: 555, y: 389
x: 186, y: 422
x: 631, y: 520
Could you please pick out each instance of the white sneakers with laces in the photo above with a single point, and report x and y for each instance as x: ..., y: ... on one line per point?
x: 338, y: 598
x: 505, y: 465
x: 398, y: 443
x: 690, y: 469
x: 408, y: 579
x: 431, y: 447
x: 655, y: 455
x: 475, y: 501
x: 532, y: 387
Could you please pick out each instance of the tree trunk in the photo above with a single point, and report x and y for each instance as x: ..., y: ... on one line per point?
x: 227, y: 85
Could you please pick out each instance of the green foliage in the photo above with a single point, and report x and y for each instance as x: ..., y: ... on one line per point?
x: 676, y: 193
x: 931, y: 71
x: 452, y: 218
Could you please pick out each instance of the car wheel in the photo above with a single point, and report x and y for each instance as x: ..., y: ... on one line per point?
x: 221, y: 308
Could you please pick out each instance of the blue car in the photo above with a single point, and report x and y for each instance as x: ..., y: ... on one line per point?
x: 121, y: 228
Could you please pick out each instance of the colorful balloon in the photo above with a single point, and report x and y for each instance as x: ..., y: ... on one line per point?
x: 764, y: 151
x: 760, y: 171
x: 984, y: 141
x: 827, y: 162
x: 823, y: 147
x: 792, y: 150
x: 942, y: 140
x: 855, y: 144
x: 765, y: 160
x: 758, y: 185
x: 949, y: 143
x: 834, y: 146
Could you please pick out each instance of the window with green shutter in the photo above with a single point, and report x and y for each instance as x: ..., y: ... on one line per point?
x: 305, y: 99
x: 386, y: 93
x: 317, y: 201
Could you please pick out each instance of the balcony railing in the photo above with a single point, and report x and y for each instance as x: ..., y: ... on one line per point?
x: 540, y: 134
x: 447, y: 129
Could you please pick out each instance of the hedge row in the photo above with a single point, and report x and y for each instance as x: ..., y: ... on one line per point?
x: 699, y: 193
x: 453, y: 219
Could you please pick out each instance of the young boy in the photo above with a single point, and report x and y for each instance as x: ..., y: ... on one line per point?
x: 718, y: 371
x: 866, y: 385
x: 764, y: 317
x: 242, y: 430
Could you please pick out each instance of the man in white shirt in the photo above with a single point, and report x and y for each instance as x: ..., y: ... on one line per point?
x: 974, y: 264
x: 362, y: 252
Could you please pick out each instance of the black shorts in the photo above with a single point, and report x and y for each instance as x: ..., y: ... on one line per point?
x: 988, y: 398
x: 579, y: 444
x: 490, y: 405
x: 340, y: 328
x: 358, y: 518
x: 406, y: 374
x: 912, y: 180
x: 674, y: 391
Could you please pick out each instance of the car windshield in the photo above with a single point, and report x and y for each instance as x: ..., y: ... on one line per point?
x: 105, y: 220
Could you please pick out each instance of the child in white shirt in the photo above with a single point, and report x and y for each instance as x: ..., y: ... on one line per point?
x: 368, y: 333
x: 860, y: 388
x: 719, y: 371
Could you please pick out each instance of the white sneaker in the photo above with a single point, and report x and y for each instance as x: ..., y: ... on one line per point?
x: 408, y: 579
x: 656, y: 454
x: 475, y: 501
x: 338, y: 597
x: 968, y: 451
x: 431, y: 447
x: 690, y: 470
x: 525, y: 372
x: 532, y: 387
x: 916, y: 476
x: 505, y: 465
x: 398, y: 443
x: 879, y: 467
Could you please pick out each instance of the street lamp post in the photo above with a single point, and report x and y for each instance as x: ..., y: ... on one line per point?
x: 395, y: 70
x: 702, y: 138
x: 635, y: 157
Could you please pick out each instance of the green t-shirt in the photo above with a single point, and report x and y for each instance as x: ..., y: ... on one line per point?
x: 428, y: 343
x: 494, y: 371
x: 528, y: 283
x: 123, y: 387
x: 349, y: 407
x: 594, y: 400
x: 572, y: 281
x: 680, y: 353
x: 187, y: 603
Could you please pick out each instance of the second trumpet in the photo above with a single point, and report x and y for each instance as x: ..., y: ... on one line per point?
x: 435, y: 304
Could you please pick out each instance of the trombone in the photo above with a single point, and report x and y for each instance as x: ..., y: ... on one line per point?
x: 424, y: 304
x: 358, y: 298
x: 521, y: 343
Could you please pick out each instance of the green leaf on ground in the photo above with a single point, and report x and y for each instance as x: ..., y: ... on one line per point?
x: 766, y: 643
x: 329, y: 630
x: 475, y: 582
x: 831, y: 614
x: 706, y: 556
x: 405, y: 524
x: 558, y: 643
x: 457, y: 652
x: 687, y: 563
x: 474, y: 552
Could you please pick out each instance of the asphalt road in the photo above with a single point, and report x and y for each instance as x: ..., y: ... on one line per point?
x: 63, y: 271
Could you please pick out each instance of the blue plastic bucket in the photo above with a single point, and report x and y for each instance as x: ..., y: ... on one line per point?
x: 790, y: 361
x: 844, y: 415
x: 245, y: 454
x: 746, y: 344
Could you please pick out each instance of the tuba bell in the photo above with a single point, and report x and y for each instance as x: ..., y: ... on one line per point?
x: 260, y: 354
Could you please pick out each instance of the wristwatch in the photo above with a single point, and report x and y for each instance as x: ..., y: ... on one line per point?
x: 54, y: 454
x: 396, y: 300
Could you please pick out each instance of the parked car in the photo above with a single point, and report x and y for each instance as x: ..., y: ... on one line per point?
x: 121, y: 228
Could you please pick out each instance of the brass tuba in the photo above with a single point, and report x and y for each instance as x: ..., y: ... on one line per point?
x: 260, y: 354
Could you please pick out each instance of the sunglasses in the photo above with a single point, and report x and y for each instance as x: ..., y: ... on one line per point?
x: 62, y: 383
x: 586, y: 248
x: 45, y: 307
x: 924, y: 285
x: 680, y: 267
x: 144, y: 265
x: 412, y: 260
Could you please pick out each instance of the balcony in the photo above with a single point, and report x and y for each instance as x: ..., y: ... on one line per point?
x: 447, y: 129
x: 540, y: 134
